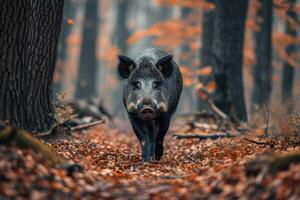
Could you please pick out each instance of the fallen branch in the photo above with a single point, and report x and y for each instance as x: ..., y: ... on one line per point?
x: 205, y: 126
x: 84, y: 126
x: 216, y: 110
x: 257, y: 142
x: 54, y: 128
x: 205, y: 95
x: 207, y: 136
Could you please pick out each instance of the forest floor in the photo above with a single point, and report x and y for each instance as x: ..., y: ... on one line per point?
x: 190, y: 169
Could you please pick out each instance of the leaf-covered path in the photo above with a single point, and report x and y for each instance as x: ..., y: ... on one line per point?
x: 190, y: 169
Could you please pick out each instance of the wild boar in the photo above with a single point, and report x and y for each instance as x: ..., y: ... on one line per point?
x: 151, y: 94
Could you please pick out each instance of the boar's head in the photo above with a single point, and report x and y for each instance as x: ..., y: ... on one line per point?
x: 145, y: 94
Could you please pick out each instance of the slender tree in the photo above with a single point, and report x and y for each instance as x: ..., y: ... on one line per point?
x: 69, y: 15
x: 86, y: 83
x: 288, y: 69
x: 121, y: 29
x: 187, y: 92
x: 262, y: 70
x: 121, y: 35
x: 206, y: 53
x: 228, y: 56
x: 29, y: 32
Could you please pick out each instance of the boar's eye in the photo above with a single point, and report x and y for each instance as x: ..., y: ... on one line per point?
x: 156, y: 85
x: 136, y: 85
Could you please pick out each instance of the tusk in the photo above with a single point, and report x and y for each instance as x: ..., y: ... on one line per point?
x: 131, y: 107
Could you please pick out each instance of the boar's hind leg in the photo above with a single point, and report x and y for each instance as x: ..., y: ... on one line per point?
x: 163, y: 128
x: 141, y: 131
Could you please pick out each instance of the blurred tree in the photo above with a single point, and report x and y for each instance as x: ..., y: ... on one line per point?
x: 28, y: 38
x: 288, y: 69
x: 206, y: 54
x: 186, y: 60
x: 262, y: 70
x: 121, y: 30
x: 121, y: 35
x: 86, y: 81
x: 185, y: 12
x: 228, y: 56
x: 68, y: 20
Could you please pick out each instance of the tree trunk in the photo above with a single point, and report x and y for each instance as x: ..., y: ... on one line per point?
x: 29, y: 32
x: 228, y: 56
x: 121, y: 35
x: 86, y: 83
x: 262, y: 70
x: 69, y: 14
x: 121, y: 28
x: 206, y: 54
x: 187, y: 103
x: 288, y: 69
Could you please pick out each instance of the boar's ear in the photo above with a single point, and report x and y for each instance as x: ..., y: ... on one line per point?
x: 125, y: 67
x: 165, y: 66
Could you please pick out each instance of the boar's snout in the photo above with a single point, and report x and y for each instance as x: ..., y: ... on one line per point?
x: 147, y: 113
x: 147, y: 108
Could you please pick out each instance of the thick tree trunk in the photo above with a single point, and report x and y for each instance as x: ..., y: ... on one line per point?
x: 206, y: 51
x: 288, y: 69
x: 29, y: 32
x: 262, y: 70
x: 69, y: 14
x: 228, y: 56
x: 86, y: 83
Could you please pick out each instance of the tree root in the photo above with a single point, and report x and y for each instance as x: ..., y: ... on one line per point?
x: 271, y: 164
x: 24, y: 140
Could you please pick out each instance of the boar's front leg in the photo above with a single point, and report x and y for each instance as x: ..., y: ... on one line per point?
x: 164, y: 124
x: 153, y: 132
x: 142, y: 132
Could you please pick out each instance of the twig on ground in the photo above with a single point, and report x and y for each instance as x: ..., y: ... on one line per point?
x: 69, y: 129
x: 207, y: 136
x: 84, y: 126
x: 170, y: 177
x: 205, y: 126
x: 257, y: 142
x: 54, y: 127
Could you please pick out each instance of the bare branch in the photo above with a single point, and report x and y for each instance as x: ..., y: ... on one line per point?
x: 84, y: 126
x: 257, y: 142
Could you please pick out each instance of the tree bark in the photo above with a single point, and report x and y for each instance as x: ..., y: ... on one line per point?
x: 228, y: 56
x: 86, y: 83
x: 29, y: 32
x: 262, y: 70
x: 206, y: 51
x: 288, y: 69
